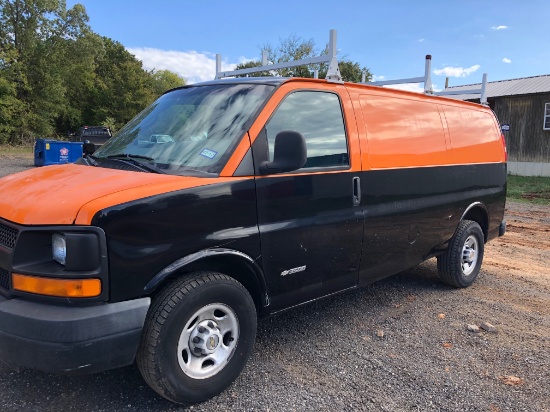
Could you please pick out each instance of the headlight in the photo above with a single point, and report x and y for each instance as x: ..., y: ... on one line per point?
x: 59, y: 248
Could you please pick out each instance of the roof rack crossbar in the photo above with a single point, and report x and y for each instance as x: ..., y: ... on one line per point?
x: 454, y: 92
x: 482, y: 91
x: 427, y: 80
x: 333, y: 74
x: 398, y: 81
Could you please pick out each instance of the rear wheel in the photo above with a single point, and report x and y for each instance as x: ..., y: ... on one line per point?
x: 461, y: 262
x: 197, y: 337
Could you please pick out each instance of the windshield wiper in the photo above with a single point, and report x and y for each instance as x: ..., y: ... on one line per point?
x: 129, y: 156
x: 91, y: 160
x: 134, y: 158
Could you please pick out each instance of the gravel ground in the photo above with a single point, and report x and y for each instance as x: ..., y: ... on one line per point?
x: 400, y: 344
x: 14, y: 164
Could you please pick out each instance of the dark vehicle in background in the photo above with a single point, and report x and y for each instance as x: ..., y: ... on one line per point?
x: 97, y: 135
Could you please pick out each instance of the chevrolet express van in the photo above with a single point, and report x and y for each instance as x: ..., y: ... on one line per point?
x: 263, y: 194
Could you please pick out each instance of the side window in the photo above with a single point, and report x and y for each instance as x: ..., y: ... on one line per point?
x: 318, y: 117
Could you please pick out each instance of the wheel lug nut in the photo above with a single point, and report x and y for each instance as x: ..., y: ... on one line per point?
x: 201, y: 329
x: 210, y: 324
x: 196, y: 339
x: 197, y: 350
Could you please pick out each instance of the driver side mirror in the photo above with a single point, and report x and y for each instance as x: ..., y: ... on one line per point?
x: 88, y: 148
x: 289, y: 154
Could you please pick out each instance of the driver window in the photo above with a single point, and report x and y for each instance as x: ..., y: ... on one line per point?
x: 318, y: 117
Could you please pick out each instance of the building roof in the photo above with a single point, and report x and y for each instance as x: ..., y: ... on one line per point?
x: 524, y: 85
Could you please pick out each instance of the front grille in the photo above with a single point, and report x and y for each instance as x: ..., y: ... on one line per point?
x: 4, y: 279
x: 8, y: 236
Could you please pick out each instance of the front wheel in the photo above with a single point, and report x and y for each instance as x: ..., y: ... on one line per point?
x: 197, y: 337
x: 461, y: 262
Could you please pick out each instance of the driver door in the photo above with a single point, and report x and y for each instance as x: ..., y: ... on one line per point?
x: 310, y: 220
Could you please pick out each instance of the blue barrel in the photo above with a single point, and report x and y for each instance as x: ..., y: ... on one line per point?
x: 56, y: 152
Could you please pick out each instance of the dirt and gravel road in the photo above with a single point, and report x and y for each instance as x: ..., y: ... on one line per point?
x: 400, y: 344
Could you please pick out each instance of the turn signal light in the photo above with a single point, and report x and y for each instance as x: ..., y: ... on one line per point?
x: 66, y: 288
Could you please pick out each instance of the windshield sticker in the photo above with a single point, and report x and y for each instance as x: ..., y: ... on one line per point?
x: 209, y: 153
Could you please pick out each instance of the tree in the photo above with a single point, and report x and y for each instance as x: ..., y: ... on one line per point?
x: 291, y: 48
x: 122, y: 87
x: 32, y: 38
x: 296, y: 48
x: 350, y: 71
x: 57, y: 75
x: 80, y: 57
x: 164, y: 80
x: 10, y: 108
x: 250, y: 64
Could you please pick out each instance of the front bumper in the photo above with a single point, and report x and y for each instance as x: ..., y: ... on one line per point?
x: 68, y: 339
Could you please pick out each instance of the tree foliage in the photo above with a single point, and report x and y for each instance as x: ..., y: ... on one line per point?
x: 296, y: 48
x: 251, y: 64
x: 56, y: 74
x: 165, y: 80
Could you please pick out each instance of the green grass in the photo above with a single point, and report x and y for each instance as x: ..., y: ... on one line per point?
x: 16, y: 151
x: 529, y: 189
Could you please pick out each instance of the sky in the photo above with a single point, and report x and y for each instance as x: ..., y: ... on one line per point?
x: 505, y: 39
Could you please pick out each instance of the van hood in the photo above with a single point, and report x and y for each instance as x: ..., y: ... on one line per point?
x: 54, y: 195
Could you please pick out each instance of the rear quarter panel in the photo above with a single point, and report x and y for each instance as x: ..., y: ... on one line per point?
x: 416, y: 185
x: 474, y: 134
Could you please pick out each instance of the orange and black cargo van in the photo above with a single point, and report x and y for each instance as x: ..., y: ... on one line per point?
x: 232, y: 199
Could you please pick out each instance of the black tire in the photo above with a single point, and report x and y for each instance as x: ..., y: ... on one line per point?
x: 453, y: 266
x: 169, y: 327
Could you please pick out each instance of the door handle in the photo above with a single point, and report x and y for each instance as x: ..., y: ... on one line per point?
x: 356, y: 191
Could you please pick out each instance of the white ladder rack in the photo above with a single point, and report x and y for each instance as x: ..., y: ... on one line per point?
x: 333, y: 73
x: 334, y: 76
x: 428, y: 87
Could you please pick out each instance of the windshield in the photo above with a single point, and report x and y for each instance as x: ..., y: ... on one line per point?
x: 190, y: 129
